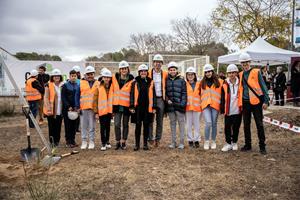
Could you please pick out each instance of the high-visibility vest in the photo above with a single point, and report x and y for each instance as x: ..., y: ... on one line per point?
x: 254, y: 84
x: 49, y: 103
x: 211, y: 96
x: 227, y: 97
x: 87, y: 94
x: 150, y: 96
x: 121, y: 96
x: 105, y: 101
x: 31, y: 93
x: 163, y: 81
x: 193, y: 97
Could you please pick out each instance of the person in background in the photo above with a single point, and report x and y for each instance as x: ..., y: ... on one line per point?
x: 230, y: 107
x: 69, y: 89
x: 85, y: 99
x: 210, y: 96
x: 295, y: 82
x: 33, y: 93
x: 222, y: 76
x: 193, y: 109
x: 77, y: 69
x: 142, y: 105
x: 267, y: 76
x: 53, y: 106
x: 43, y: 78
x: 121, y: 82
x: 104, y: 107
x: 159, y: 77
x: 279, y: 86
x: 176, y: 97
x: 253, y: 99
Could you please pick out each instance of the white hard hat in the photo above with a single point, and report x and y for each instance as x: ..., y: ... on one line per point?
x: 142, y: 67
x: 172, y: 64
x: 123, y: 64
x: 56, y: 72
x: 72, y: 115
x: 232, y: 68
x: 89, y: 69
x: 244, y: 57
x: 76, y: 68
x: 208, y: 67
x: 104, y: 68
x: 158, y: 57
x: 106, y: 73
x: 191, y: 70
x: 33, y: 73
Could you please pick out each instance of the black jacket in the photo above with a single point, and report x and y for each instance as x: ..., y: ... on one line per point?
x: 176, y: 92
x: 36, y: 85
x: 43, y: 79
x: 279, y: 82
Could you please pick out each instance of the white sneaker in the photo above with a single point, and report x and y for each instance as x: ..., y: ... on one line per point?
x: 206, y: 145
x: 83, y: 145
x: 226, y: 147
x: 181, y: 146
x: 103, y: 148
x: 91, y: 145
x: 108, y: 146
x: 235, y: 147
x: 213, y: 145
x: 172, y: 146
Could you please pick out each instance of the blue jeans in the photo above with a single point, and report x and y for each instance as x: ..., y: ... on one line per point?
x: 33, y: 106
x: 210, y: 116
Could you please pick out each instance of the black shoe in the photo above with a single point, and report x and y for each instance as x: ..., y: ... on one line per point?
x: 246, y: 148
x: 146, y: 148
x: 118, y: 146
x: 136, y: 148
x: 123, y: 146
x: 191, y: 144
x: 197, y: 145
x: 263, y: 151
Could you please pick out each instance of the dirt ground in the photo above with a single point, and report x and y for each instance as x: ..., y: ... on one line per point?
x: 160, y: 173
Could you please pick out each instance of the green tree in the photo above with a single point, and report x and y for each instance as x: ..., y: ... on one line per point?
x: 36, y: 56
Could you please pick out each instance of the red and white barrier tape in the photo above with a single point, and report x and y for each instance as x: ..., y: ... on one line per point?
x: 281, y: 124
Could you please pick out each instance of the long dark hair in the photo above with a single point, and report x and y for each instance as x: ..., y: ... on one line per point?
x: 214, y: 78
x: 61, y: 78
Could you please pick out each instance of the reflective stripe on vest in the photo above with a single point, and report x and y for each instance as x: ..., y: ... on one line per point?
x: 48, y: 107
x: 211, y: 96
x: 31, y: 93
x: 121, y: 96
x: 87, y: 94
x: 163, y: 81
x: 193, y: 97
x: 150, y: 96
x: 105, y: 105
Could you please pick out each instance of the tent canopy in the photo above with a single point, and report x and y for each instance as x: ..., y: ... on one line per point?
x: 262, y: 53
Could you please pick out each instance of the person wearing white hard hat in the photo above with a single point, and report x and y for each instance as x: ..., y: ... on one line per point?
x: 34, y: 92
x: 210, y: 95
x: 85, y: 100
x: 104, y: 107
x: 254, y: 93
x: 70, y: 111
x: 53, y: 106
x: 159, y: 77
x: 176, y: 98
x: 142, y: 105
x: 193, y: 110
x: 78, y: 72
x: 121, y: 82
x: 43, y: 78
x: 230, y: 108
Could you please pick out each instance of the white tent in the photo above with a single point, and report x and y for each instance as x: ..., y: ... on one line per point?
x: 262, y: 53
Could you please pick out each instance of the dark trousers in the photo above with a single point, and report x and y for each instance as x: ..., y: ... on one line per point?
x: 70, y: 130
x: 33, y: 106
x: 54, y: 126
x: 119, y: 123
x: 105, y: 128
x: 232, y: 127
x: 258, y: 117
x: 279, y: 97
x: 77, y: 121
x: 141, y: 120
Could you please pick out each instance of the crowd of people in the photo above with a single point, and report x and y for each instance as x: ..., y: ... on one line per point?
x: 149, y: 97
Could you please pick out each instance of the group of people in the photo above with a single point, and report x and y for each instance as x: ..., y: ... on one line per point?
x: 148, y: 98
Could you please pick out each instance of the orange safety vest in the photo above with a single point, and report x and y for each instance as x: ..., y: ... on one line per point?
x: 163, y: 81
x: 211, y: 96
x: 87, y: 94
x: 227, y: 97
x: 31, y: 93
x: 193, y: 97
x: 121, y: 96
x: 105, y: 101
x: 254, y: 83
x: 150, y: 96
x: 48, y: 107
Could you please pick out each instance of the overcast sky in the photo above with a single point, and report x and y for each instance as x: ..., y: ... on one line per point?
x: 75, y: 29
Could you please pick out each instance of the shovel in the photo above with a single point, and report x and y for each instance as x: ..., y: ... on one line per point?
x: 29, y: 154
x: 51, y: 160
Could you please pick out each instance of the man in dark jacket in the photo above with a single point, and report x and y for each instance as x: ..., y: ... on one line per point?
x: 42, y: 78
x: 295, y: 82
x: 176, y: 97
x: 279, y: 86
x: 68, y: 101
